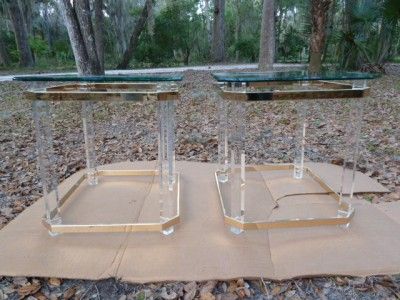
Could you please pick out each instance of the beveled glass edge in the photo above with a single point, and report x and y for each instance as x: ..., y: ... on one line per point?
x: 290, y: 76
x: 101, y: 78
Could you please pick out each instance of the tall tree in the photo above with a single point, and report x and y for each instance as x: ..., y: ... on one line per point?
x: 319, y: 17
x: 21, y: 33
x: 133, y: 41
x: 98, y: 30
x: 218, y: 39
x: 78, y: 20
x: 237, y: 28
x: 267, y: 36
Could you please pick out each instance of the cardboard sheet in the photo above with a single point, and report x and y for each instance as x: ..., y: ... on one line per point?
x: 392, y: 209
x: 202, y: 247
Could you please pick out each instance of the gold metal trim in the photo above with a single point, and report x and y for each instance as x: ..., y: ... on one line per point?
x: 122, y: 227
x: 289, y: 223
x: 330, y: 90
x: 103, y: 92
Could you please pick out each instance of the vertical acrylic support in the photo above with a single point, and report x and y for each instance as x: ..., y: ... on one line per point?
x: 352, y: 145
x: 300, y: 140
x: 170, y: 135
x: 237, y: 169
x: 166, y: 159
x: 89, y: 135
x: 46, y: 161
x: 223, y: 160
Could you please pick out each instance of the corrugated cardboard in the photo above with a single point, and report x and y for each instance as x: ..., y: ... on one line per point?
x: 202, y: 247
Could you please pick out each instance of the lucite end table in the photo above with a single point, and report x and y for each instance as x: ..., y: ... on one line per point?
x: 88, y: 90
x: 238, y: 183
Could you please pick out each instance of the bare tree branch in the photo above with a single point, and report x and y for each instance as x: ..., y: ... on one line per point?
x: 139, y: 26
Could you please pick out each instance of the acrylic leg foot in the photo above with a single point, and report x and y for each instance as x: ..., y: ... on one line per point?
x: 168, y: 231
x: 236, y: 230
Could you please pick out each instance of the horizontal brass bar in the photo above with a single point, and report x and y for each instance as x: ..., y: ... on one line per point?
x: 123, y: 227
x: 102, y: 86
x: 100, y: 96
x: 288, y: 223
x: 295, y: 94
x: 319, y: 83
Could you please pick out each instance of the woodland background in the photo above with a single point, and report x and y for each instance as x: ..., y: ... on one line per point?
x: 347, y: 34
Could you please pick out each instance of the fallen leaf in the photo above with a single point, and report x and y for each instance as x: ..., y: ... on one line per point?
x: 190, y: 294
x: 40, y: 296
x: 168, y: 296
x: 229, y: 296
x: 208, y: 287
x: 68, y: 294
x: 28, y: 289
x: 276, y: 290
x: 55, y: 281
x: 207, y: 296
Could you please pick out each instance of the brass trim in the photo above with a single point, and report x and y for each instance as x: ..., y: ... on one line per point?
x: 295, y: 95
x: 117, y: 227
x: 289, y: 223
x: 331, y: 90
x: 129, y: 92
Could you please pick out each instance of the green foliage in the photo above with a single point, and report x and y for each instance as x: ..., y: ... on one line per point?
x: 291, y: 45
x: 372, y: 31
x: 177, y: 35
x: 182, y: 32
x: 247, y: 48
x: 38, y: 46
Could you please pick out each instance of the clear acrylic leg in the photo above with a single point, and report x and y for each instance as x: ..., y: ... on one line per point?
x: 352, y: 145
x: 170, y: 120
x: 89, y: 135
x: 165, y: 156
x: 237, y: 169
x: 223, y: 161
x: 300, y: 139
x: 47, y: 168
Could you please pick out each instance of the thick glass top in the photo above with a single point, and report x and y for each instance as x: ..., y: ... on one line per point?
x: 102, y: 78
x: 290, y: 76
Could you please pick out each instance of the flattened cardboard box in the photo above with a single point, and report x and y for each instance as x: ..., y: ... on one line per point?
x: 202, y: 247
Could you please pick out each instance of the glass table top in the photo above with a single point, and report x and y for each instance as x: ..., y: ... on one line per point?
x: 290, y: 76
x: 102, y: 78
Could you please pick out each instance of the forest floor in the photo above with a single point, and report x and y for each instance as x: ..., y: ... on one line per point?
x: 128, y: 132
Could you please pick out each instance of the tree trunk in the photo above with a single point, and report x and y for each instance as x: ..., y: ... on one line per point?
x: 348, y: 55
x: 21, y: 34
x: 80, y: 31
x: 267, y: 36
x: 218, y: 42
x: 46, y: 27
x: 4, y: 57
x: 98, y: 30
x: 329, y: 28
x: 26, y: 8
x: 82, y: 9
x: 237, y: 29
x: 118, y: 16
x: 139, y: 27
x: 319, y: 16
x: 208, y: 21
